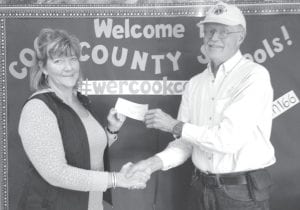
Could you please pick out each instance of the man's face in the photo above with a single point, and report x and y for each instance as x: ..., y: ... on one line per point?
x: 221, y: 41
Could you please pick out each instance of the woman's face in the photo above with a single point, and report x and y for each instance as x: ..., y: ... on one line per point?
x: 63, y: 72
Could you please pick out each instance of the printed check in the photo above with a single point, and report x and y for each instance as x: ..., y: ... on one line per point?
x: 130, y: 109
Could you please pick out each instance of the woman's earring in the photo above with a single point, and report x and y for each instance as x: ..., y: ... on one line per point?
x: 46, y: 78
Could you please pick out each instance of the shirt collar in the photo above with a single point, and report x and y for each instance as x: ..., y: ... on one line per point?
x: 229, y: 65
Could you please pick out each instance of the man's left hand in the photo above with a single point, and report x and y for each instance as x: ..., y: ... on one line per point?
x: 156, y: 118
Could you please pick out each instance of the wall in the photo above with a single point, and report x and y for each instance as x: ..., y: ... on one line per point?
x: 168, y: 62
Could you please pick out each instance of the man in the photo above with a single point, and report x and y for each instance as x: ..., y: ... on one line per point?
x: 224, y: 122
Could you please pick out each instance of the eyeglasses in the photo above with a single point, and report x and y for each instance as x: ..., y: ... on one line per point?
x: 223, y: 34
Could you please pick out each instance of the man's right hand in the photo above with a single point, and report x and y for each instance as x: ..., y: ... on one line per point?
x: 137, y: 181
x: 149, y: 166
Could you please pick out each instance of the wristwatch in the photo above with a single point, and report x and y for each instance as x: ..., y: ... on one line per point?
x: 177, y: 129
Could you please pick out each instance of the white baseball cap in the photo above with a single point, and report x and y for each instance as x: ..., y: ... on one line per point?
x: 225, y: 14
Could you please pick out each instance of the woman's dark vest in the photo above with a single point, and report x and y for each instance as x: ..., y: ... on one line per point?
x: 37, y: 193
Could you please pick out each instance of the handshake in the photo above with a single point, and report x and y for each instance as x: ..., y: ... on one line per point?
x: 135, y: 176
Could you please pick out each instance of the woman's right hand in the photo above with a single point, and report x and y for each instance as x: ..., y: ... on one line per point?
x: 115, y: 120
x: 137, y: 181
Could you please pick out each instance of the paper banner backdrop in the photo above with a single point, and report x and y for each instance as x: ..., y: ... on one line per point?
x: 148, y: 60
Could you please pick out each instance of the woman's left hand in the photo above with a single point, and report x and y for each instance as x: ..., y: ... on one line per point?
x: 115, y: 120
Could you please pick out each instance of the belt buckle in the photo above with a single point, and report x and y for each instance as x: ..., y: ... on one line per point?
x: 213, y: 180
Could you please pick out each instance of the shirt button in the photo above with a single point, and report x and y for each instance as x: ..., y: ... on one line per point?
x: 210, y: 158
x: 210, y: 118
x: 212, y: 98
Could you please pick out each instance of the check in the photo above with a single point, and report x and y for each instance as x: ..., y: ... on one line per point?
x: 130, y: 109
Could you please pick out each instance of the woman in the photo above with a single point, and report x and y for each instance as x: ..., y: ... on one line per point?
x: 61, y: 135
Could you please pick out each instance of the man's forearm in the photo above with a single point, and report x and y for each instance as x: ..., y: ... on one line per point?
x: 154, y: 163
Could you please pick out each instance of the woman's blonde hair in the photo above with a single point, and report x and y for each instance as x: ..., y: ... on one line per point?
x: 49, y: 44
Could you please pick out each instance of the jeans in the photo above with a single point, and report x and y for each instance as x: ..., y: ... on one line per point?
x: 227, y: 197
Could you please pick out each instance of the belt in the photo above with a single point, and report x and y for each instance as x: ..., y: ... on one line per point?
x: 217, y: 180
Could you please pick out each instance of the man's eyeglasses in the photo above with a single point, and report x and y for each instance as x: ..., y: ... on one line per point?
x: 223, y: 34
